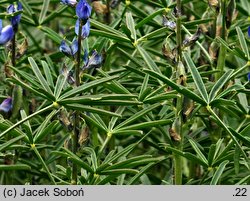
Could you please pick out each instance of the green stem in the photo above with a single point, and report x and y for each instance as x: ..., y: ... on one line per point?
x: 43, y: 163
x: 77, y: 113
x: 25, y: 119
x: 179, y: 105
x: 108, y: 14
x: 109, y: 136
x: 178, y: 31
x: 222, y: 51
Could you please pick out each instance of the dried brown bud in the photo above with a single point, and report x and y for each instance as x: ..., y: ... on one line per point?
x: 174, y: 135
x: 99, y: 7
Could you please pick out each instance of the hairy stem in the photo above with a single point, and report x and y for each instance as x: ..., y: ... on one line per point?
x: 179, y: 104
x: 77, y: 113
x: 108, y: 14
x: 13, y: 51
x: 222, y: 51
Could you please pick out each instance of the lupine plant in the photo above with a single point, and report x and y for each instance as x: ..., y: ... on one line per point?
x: 124, y: 92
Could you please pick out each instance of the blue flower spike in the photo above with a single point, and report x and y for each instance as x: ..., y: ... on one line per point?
x: 16, y: 19
x: 6, y: 33
x: 83, y: 10
x: 69, y: 2
x: 69, y: 50
x: 6, y: 105
x: 85, y: 29
x: 94, y: 61
x: 248, y: 31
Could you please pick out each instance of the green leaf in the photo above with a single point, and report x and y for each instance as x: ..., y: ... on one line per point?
x: 243, y: 42
x: 94, y: 122
x: 211, y: 154
x: 16, y: 80
x: 144, y: 87
x: 28, y: 130
x: 139, y: 174
x: 198, y: 151
x: 131, y: 25
x: 188, y: 156
x: 74, y: 158
x: 47, y: 73
x: 41, y: 130
x: 160, y: 97
x: 52, y: 34
x: 149, y: 61
x: 84, y: 108
x: 60, y: 82
x: 14, y: 167
x: 114, y: 85
x: 118, y: 171
x: 177, y: 87
x: 86, y: 87
x: 45, y: 166
x: 196, y: 76
x: 54, y: 14
x: 93, y: 157
x: 39, y: 75
x: 137, y: 116
x: 218, y: 173
x: 149, y: 18
x: 146, y: 124
x: 5, y: 145
x: 219, y: 84
x: 44, y: 11
x: 29, y: 11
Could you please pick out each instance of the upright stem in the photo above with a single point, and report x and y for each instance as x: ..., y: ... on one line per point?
x: 222, y: 51
x: 13, y: 50
x: 178, y: 31
x: 179, y: 105
x: 107, y: 15
x: 76, y: 130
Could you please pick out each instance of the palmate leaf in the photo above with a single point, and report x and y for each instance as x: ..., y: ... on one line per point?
x: 218, y: 173
x: 243, y: 42
x: 131, y: 25
x: 44, y: 10
x: 179, y: 88
x: 196, y: 77
x: 85, y: 87
x: 39, y: 75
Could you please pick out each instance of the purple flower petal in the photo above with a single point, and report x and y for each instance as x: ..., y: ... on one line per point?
x: 6, y: 105
x: 86, y: 57
x: 249, y: 31
x: 94, y: 61
x: 85, y: 29
x: 64, y: 48
x: 1, y: 26
x: 83, y: 10
x: 74, y: 47
x: 16, y: 19
x: 6, y: 35
x: 69, y: 2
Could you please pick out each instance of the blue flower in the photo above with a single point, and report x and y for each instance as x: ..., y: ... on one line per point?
x: 6, y: 105
x: 69, y: 50
x: 16, y: 19
x: 248, y: 76
x: 85, y: 29
x: 249, y: 31
x: 83, y: 10
x: 6, y: 33
x: 69, y: 2
x: 94, y: 61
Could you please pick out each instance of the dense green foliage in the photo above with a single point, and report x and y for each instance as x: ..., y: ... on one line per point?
x: 169, y: 104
